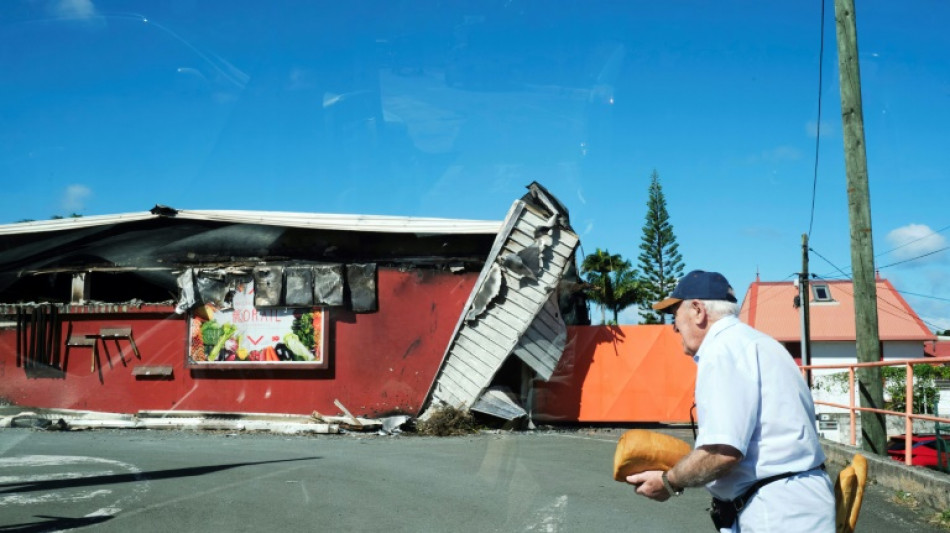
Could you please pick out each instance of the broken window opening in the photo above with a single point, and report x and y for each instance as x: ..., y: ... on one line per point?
x: 145, y: 286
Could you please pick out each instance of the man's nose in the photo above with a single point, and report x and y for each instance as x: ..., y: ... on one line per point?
x: 676, y: 329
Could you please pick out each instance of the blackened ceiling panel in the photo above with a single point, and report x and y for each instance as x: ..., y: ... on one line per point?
x: 165, y: 245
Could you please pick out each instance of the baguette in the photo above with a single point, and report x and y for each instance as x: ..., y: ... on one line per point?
x: 849, y: 493
x: 640, y: 450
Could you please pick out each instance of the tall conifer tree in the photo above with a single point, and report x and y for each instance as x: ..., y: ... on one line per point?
x: 661, y: 264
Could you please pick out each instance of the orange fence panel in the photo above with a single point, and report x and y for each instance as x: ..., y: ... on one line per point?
x: 619, y: 374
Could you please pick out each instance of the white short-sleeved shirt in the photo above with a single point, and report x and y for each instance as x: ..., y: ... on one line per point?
x: 751, y: 395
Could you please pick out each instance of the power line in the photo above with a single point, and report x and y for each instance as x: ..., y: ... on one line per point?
x: 812, y: 250
x: 760, y: 301
x: 921, y: 256
x: 821, y: 57
x: 931, y: 234
x: 925, y: 296
x: 903, y: 312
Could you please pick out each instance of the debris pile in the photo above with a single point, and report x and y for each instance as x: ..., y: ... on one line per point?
x: 446, y: 421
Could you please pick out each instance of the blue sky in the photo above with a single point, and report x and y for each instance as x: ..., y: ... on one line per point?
x: 448, y: 109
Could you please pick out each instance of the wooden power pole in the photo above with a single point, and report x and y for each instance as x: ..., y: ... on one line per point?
x: 870, y: 381
x: 804, y: 295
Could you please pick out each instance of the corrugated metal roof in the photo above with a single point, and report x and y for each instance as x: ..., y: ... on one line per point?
x: 940, y: 347
x: 499, y: 402
x: 368, y: 223
x: 768, y: 307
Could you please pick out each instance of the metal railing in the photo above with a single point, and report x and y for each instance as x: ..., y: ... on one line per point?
x: 908, y: 414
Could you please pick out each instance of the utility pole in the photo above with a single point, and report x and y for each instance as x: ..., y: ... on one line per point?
x: 803, y: 297
x: 870, y: 381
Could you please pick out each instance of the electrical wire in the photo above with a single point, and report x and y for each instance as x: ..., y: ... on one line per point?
x: 901, y: 312
x: 882, y: 267
x: 812, y: 250
x: 821, y: 56
x: 760, y: 300
x: 848, y: 278
x: 925, y: 296
x: 921, y: 256
x: 931, y: 234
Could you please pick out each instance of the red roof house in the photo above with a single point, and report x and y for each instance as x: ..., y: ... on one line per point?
x: 940, y: 347
x: 771, y: 307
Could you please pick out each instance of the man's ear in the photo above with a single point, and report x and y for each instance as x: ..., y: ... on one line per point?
x: 700, y: 318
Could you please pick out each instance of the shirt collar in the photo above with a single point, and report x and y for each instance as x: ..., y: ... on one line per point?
x: 718, y: 327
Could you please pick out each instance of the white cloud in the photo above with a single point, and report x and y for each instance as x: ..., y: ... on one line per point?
x: 827, y: 128
x: 761, y: 232
x: 74, y: 198
x: 782, y: 153
x: 776, y: 155
x: 916, y: 240
x: 81, y: 9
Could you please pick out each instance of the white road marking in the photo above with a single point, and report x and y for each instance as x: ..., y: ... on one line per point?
x: 52, y: 497
x: 550, y: 519
x: 53, y: 476
x: 105, y: 511
x: 49, y: 460
x: 69, y: 468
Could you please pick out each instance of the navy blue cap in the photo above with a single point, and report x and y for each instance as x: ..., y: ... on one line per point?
x: 698, y: 285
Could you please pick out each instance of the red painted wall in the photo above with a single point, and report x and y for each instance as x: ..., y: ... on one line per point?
x: 379, y: 362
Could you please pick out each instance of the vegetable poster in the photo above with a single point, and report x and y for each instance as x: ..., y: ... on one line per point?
x: 246, y: 334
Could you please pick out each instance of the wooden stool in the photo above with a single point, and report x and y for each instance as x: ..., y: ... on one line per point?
x: 88, y: 341
x: 124, y: 332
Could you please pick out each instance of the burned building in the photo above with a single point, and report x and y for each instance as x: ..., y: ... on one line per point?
x: 284, y: 312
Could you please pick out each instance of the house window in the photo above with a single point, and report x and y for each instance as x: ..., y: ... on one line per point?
x: 821, y: 292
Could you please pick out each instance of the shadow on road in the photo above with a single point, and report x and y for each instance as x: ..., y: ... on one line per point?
x: 55, y: 523
x: 54, y: 484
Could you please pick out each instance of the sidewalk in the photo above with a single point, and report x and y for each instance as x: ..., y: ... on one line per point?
x: 73, y: 420
x: 928, y: 487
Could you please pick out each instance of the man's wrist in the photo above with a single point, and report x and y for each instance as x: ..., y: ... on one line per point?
x: 670, y: 488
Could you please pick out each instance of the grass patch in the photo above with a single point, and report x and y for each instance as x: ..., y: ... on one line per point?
x: 942, y: 519
x: 904, y: 498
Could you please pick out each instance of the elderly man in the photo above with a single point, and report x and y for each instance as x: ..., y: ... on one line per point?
x: 757, y: 449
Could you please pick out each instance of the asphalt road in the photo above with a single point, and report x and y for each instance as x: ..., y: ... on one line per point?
x: 144, y: 481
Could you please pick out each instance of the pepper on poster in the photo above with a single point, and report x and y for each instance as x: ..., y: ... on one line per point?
x: 247, y: 334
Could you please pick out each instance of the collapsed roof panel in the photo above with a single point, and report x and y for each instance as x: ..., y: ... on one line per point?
x: 499, y: 402
x: 532, y: 252
x: 543, y: 343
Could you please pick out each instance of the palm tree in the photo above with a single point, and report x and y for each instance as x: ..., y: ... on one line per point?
x: 628, y: 290
x: 615, y: 285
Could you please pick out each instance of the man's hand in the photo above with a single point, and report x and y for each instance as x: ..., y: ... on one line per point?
x: 650, y: 485
x: 701, y: 466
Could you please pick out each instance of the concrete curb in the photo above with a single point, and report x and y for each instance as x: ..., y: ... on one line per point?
x: 73, y: 420
x: 928, y: 487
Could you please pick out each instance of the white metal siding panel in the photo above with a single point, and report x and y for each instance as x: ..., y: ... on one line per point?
x: 540, y: 348
x: 518, y: 321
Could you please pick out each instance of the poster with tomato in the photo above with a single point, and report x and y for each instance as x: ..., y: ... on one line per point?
x: 245, y: 334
